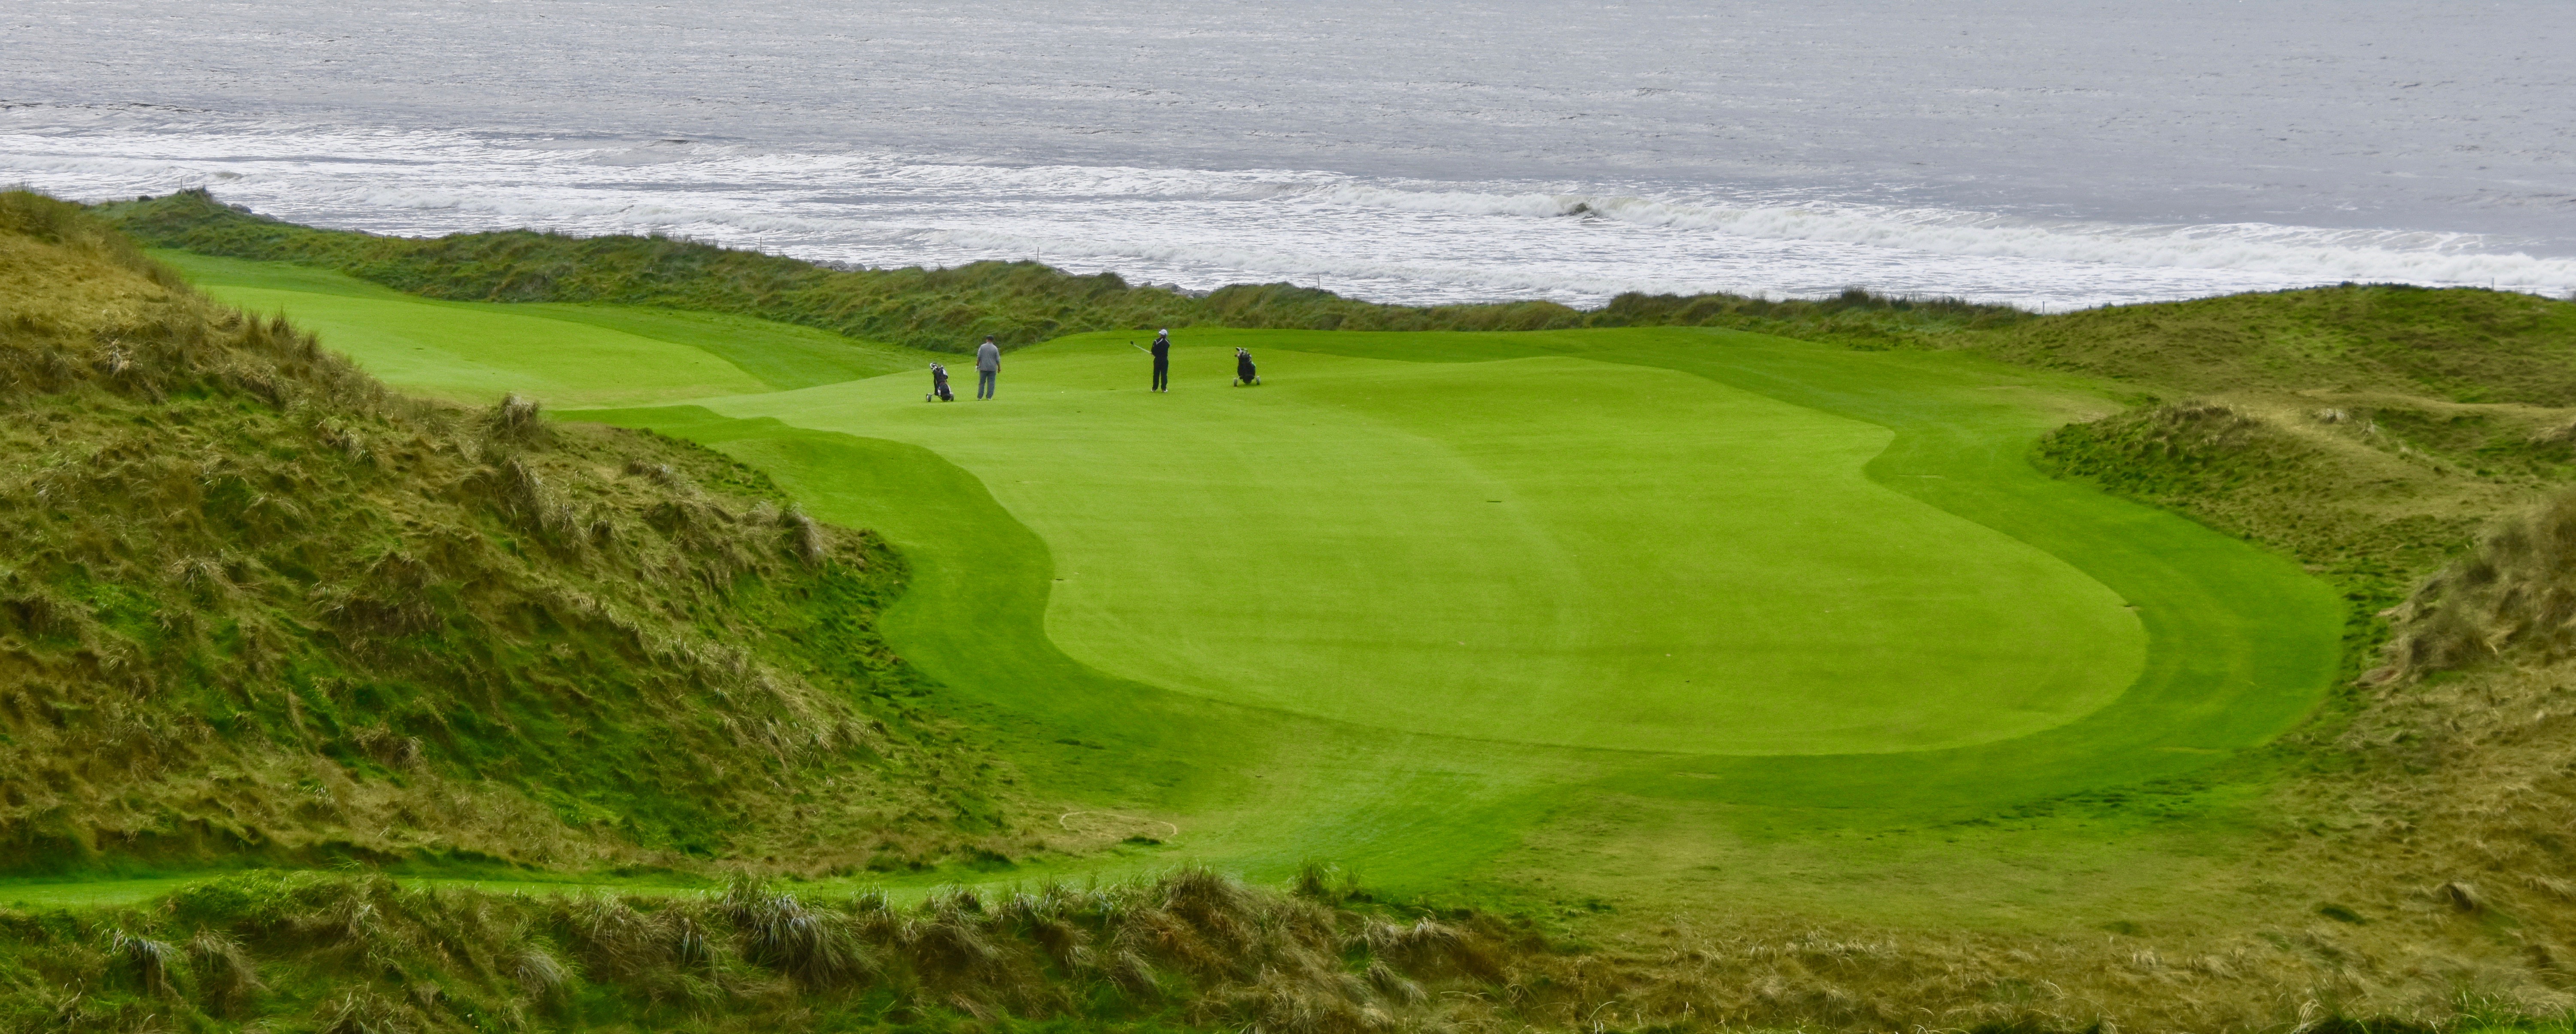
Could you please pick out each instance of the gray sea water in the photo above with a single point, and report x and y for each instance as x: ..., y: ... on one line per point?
x: 2049, y: 153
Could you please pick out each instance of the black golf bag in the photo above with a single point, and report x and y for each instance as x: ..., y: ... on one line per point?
x: 939, y: 385
x: 1244, y: 373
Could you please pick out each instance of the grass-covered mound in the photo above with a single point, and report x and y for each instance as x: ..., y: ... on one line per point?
x: 2410, y: 446
x: 1191, y: 950
x: 2373, y: 519
x: 254, y: 605
x: 2461, y: 345
x: 2370, y: 431
x: 948, y: 310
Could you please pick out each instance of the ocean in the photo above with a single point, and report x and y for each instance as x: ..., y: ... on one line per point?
x: 2046, y: 154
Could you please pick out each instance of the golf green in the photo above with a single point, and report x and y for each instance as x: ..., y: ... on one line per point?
x: 1544, y: 550
x: 1422, y: 601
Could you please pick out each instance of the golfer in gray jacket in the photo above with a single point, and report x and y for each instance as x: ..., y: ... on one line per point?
x: 988, y: 361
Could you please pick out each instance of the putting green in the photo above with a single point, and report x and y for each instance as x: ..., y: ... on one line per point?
x: 1426, y: 602
x: 1544, y: 550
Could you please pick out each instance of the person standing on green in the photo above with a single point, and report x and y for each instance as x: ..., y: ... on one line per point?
x: 988, y: 364
x: 1163, y: 360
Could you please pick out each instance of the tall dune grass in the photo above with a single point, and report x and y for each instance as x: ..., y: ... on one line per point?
x: 256, y: 606
x: 1190, y: 948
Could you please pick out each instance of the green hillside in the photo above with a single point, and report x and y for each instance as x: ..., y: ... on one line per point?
x: 2458, y: 345
x: 667, y: 352
x: 259, y: 608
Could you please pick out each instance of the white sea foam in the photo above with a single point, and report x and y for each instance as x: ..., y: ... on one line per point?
x: 2298, y: 252
x: 1405, y: 240
x: 2084, y: 155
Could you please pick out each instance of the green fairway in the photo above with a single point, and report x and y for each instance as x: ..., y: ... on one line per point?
x: 1432, y: 603
x: 1544, y: 550
x: 567, y: 354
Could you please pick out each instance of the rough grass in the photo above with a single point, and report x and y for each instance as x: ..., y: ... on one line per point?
x: 2370, y: 519
x: 1191, y: 950
x: 2451, y: 345
x: 1188, y: 950
x: 2513, y: 596
x: 2409, y: 446
x: 1021, y: 303
x: 2371, y: 431
x: 333, y: 953
x: 256, y: 606
x: 2439, y: 813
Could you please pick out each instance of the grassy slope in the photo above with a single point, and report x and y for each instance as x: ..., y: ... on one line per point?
x: 2369, y: 431
x: 341, y: 954
x: 302, y: 618
x: 2458, y: 345
x: 2376, y: 433
x: 672, y: 352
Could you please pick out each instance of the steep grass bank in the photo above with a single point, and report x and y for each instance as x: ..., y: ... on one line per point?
x: 2458, y: 345
x: 255, y: 606
x: 2409, y: 446
x: 345, y: 955
x: 2370, y: 431
x: 948, y: 310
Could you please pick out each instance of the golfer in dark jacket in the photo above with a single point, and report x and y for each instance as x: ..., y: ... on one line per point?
x: 1163, y: 361
x: 988, y: 362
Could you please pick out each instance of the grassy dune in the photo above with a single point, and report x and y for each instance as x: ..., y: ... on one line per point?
x: 1190, y: 950
x: 2458, y: 345
x: 299, y: 619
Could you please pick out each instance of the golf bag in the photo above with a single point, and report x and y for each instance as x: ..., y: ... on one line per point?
x: 1244, y: 373
x: 939, y: 385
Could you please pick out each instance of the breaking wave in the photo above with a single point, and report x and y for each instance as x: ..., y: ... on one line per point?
x: 2306, y: 253
x: 1391, y: 239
